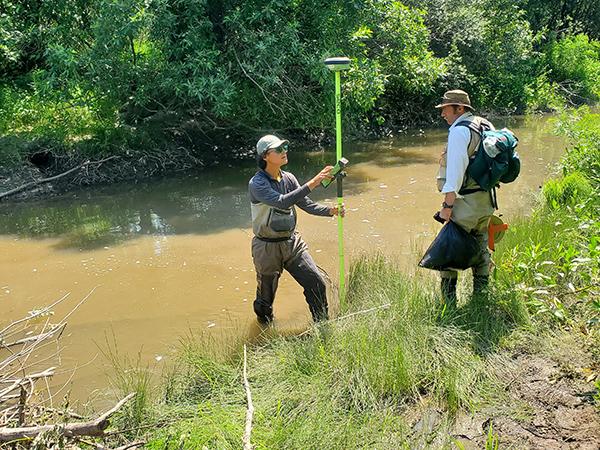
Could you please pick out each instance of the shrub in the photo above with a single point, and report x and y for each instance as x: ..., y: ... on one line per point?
x: 583, y: 129
x: 574, y: 63
x: 567, y: 191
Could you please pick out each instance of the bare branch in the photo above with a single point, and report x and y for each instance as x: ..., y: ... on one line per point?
x: 250, y: 410
x: 55, y: 177
x: 35, y: 314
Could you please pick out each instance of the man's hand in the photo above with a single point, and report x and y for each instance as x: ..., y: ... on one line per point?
x: 445, y: 214
x: 446, y: 211
x: 325, y: 173
x: 337, y: 211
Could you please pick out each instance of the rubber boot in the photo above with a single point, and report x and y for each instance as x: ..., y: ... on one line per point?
x: 448, y: 287
x: 480, y: 286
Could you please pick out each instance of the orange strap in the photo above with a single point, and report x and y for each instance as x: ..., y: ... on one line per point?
x: 492, y: 230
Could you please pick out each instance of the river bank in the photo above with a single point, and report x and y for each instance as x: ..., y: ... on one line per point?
x: 521, y: 369
x: 174, y: 260
x: 42, y: 168
x: 177, y: 247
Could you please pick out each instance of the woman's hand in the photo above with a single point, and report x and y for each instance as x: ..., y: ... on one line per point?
x: 337, y: 211
x: 325, y: 173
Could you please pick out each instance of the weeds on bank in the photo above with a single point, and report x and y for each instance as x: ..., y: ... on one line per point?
x: 554, y: 258
x: 131, y: 375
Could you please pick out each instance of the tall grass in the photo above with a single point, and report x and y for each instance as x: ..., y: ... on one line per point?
x: 131, y: 375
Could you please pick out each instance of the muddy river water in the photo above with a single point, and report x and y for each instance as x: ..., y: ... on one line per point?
x: 172, y: 256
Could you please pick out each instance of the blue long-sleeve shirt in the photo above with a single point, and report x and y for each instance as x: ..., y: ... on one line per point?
x: 284, y: 193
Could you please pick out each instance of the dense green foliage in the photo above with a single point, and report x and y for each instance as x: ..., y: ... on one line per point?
x: 558, y: 275
x: 170, y: 77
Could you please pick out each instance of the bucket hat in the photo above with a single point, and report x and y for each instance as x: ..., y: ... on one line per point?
x: 267, y: 143
x: 455, y: 97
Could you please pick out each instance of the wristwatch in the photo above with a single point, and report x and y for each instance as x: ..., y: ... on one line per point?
x: 446, y: 205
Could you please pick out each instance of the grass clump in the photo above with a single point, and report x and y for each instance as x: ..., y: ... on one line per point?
x: 566, y: 191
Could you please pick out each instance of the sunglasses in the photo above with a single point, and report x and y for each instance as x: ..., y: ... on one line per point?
x: 281, y: 149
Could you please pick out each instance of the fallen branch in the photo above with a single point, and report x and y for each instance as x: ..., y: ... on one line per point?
x: 16, y: 383
x: 32, y: 315
x: 249, y: 410
x: 103, y: 447
x: 130, y: 445
x: 55, y: 177
x: 94, y: 427
x: 39, y: 337
x: 60, y: 412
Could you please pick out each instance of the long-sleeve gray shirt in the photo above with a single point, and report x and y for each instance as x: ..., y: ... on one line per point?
x: 283, y: 194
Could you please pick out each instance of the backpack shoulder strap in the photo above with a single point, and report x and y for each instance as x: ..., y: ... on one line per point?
x: 478, y: 124
x: 471, y: 125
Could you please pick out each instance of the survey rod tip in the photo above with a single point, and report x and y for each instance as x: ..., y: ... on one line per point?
x: 337, y: 63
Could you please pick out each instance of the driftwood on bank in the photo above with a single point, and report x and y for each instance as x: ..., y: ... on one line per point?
x: 93, y: 427
x: 32, y: 184
x: 27, y: 412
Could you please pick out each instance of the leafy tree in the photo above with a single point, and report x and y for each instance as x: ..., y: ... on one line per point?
x: 563, y: 16
x: 574, y: 63
x: 489, y: 49
x: 112, y: 74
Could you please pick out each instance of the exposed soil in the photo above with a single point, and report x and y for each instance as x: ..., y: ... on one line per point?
x: 550, y: 406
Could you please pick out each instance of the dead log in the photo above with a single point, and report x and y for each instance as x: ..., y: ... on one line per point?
x: 94, y: 427
x: 55, y: 177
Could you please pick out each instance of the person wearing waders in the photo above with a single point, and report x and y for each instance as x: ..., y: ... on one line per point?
x: 277, y: 245
x: 465, y: 202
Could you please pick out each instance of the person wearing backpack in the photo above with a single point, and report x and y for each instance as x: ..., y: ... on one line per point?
x: 465, y: 202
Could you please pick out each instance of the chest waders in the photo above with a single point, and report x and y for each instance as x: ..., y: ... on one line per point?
x: 336, y: 65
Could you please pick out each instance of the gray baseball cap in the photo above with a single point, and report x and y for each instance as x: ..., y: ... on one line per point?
x: 268, y: 142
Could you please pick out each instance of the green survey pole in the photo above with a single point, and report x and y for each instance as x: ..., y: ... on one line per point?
x: 337, y: 65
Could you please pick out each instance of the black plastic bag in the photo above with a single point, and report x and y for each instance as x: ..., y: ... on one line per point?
x: 452, y: 249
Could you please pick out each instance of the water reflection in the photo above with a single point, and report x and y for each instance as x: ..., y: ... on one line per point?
x: 203, y: 203
x: 215, y: 200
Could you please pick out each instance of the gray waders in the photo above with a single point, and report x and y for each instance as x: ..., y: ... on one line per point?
x: 270, y: 258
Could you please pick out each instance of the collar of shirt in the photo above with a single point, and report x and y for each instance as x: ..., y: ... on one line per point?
x: 279, y: 178
x: 461, y: 118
